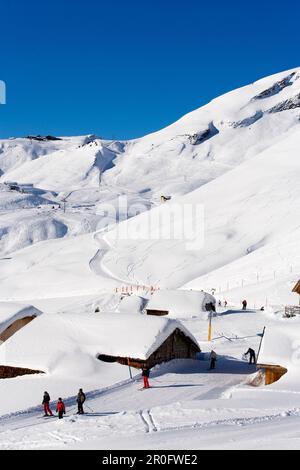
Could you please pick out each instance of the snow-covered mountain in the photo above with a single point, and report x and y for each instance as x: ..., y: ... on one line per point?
x: 63, y: 250
x: 238, y: 156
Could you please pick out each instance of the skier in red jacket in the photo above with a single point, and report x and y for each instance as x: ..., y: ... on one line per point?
x: 245, y: 304
x: 60, y: 408
x: 146, y: 375
x: 46, y: 404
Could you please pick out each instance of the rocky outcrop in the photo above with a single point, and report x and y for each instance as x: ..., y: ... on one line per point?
x: 276, y: 88
x: 293, y: 103
x: 199, y: 138
x: 248, y: 121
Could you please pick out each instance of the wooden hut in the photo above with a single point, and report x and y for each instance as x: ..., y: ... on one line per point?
x: 293, y: 310
x: 297, y: 289
x: 13, y: 317
x: 178, y: 345
x: 271, y: 372
x: 73, y: 341
x: 277, y: 351
x: 180, y: 303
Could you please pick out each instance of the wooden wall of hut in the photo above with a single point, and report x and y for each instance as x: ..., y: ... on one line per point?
x: 14, y: 327
x: 158, y: 313
x: 272, y: 373
x: 7, y: 372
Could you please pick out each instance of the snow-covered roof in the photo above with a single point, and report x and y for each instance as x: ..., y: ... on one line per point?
x: 280, y: 346
x: 180, y: 303
x: 53, y: 340
x: 11, y: 312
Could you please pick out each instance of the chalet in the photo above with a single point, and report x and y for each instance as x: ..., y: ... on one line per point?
x: 156, y: 340
x: 293, y: 310
x: 297, y: 289
x: 13, y: 317
x: 180, y: 303
x: 85, y: 342
x: 164, y: 199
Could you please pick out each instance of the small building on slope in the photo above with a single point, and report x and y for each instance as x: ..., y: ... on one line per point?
x: 180, y: 303
x: 278, y: 354
x: 13, y: 317
x: 67, y: 343
x: 293, y: 310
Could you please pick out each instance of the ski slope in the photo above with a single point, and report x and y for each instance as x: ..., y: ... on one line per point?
x: 61, y: 251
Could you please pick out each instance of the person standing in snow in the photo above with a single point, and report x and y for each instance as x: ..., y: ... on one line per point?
x: 60, y: 408
x: 245, y: 303
x: 225, y: 303
x: 80, y: 401
x: 252, y: 354
x: 146, y: 375
x: 213, y: 360
x: 46, y: 404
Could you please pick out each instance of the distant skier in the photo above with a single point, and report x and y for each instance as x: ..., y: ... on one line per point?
x: 46, y: 404
x: 245, y: 304
x: 252, y: 355
x: 220, y: 303
x: 60, y: 408
x: 225, y: 303
x: 146, y: 375
x: 80, y: 401
x: 213, y: 360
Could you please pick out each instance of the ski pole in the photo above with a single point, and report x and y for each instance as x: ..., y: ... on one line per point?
x: 89, y: 408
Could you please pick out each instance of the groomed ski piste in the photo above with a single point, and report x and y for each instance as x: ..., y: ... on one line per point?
x: 61, y: 255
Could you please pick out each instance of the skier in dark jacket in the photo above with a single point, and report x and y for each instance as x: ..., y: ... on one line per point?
x: 146, y: 375
x: 80, y: 401
x: 245, y: 304
x: 252, y: 354
x: 213, y: 360
x: 46, y: 404
x: 60, y: 408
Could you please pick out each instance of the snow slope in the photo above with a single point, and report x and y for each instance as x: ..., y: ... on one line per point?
x: 61, y: 250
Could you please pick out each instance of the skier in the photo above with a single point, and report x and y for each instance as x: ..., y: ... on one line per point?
x: 252, y: 354
x: 60, y: 408
x: 220, y: 303
x: 80, y: 401
x: 146, y: 375
x: 225, y: 303
x: 45, y: 403
x: 245, y: 303
x: 213, y: 360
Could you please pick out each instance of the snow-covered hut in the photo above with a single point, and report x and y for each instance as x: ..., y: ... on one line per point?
x: 77, y: 343
x: 180, y: 303
x: 279, y: 353
x: 13, y: 317
x: 293, y: 310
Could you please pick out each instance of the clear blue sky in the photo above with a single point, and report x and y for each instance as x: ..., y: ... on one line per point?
x: 125, y: 68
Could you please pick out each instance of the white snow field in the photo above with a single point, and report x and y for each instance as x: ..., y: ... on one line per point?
x: 63, y: 251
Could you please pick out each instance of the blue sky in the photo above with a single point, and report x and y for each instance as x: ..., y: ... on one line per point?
x: 122, y: 69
